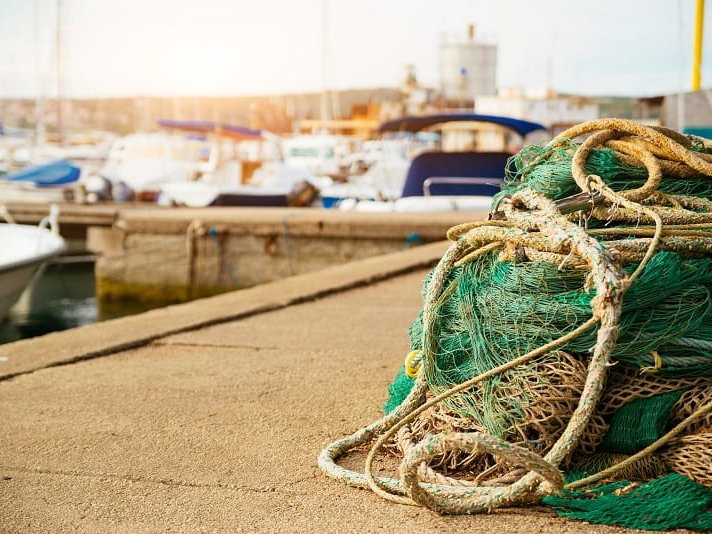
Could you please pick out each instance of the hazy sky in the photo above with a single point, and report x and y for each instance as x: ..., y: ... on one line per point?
x: 227, y: 47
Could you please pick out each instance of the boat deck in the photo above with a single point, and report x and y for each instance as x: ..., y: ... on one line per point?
x: 209, y: 416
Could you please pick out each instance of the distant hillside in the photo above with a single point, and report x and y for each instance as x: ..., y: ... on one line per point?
x: 125, y: 115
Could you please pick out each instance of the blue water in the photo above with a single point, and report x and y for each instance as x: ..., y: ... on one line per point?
x: 61, y: 296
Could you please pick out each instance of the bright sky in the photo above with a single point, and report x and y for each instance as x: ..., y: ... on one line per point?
x: 240, y: 47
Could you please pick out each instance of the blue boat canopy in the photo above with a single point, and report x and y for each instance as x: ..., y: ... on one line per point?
x: 59, y: 172
x: 239, y: 132
x: 242, y: 131
x: 416, y: 123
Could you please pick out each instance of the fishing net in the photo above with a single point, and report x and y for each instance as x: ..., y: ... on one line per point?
x: 563, y: 354
x: 548, y: 171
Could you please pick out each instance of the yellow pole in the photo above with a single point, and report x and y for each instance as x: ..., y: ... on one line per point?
x: 697, y: 61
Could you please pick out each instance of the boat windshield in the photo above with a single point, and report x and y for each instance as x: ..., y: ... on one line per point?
x: 311, y: 152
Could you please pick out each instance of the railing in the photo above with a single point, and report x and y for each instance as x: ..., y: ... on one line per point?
x: 457, y: 180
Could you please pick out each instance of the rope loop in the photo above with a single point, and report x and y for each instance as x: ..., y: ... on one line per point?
x: 478, y: 499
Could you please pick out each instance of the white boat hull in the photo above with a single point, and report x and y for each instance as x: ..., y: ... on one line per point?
x: 23, y: 250
x: 12, y: 284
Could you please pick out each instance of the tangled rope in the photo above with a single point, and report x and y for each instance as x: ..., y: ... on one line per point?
x: 612, y: 237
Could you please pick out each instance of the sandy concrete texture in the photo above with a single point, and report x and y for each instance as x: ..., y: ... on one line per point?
x: 216, y: 427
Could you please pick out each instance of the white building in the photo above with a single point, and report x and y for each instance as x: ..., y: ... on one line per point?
x: 467, y: 69
x: 544, y: 106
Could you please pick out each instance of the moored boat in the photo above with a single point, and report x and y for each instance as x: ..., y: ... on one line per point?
x: 25, y: 249
x: 463, y: 174
x: 46, y: 182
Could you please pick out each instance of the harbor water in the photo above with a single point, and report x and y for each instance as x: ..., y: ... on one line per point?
x: 61, y: 296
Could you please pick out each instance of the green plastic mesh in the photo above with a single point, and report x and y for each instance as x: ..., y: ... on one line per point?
x: 671, y: 501
x: 497, y: 310
x: 398, y: 390
x: 502, y: 310
x: 548, y: 171
x: 639, y: 423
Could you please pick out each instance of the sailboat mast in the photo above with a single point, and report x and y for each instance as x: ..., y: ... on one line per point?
x: 324, y: 59
x: 60, y: 123
x: 39, y: 100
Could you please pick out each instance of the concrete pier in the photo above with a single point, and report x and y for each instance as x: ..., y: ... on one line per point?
x: 176, y: 255
x: 74, y: 219
x: 160, y: 255
x: 208, y: 416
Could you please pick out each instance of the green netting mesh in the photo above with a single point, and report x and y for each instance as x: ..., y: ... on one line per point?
x: 548, y: 170
x: 398, y: 390
x: 535, y: 272
x: 671, y: 501
x: 501, y: 310
x: 498, y: 310
x: 639, y: 423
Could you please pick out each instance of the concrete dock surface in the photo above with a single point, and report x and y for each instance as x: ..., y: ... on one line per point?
x: 209, y: 416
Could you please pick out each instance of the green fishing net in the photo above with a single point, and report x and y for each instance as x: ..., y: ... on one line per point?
x: 548, y: 171
x: 495, y: 311
x: 501, y: 310
x: 670, y: 501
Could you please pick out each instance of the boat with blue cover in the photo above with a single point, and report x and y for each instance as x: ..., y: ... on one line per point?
x: 464, y: 172
x: 52, y: 174
x: 46, y: 182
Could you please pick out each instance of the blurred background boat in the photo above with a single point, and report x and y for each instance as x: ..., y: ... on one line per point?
x: 47, y: 182
x: 202, y: 163
x: 462, y: 171
x: 25, y: 249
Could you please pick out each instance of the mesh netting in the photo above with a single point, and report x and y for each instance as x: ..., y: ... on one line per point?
x: 398, y: 390
x: 572, y: 332
x: 501, y: 310
x: 671, y: 501
x: 691, y: 456
x: 639, y: 423
x: 548, y: 170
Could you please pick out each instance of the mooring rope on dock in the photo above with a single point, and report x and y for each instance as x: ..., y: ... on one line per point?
x: 558, y: 340
x: 170, y: 252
